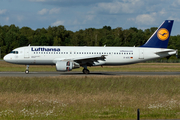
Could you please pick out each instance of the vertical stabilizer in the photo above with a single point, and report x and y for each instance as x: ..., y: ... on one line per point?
x: 161, y: 36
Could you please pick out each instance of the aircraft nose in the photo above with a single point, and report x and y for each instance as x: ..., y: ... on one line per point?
x: 9, y: 58
x: 6, y: 58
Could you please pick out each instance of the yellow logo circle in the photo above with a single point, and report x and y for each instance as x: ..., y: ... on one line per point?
x: 163, y: 34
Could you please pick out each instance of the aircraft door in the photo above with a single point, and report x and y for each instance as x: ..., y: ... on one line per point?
x: 26, y: 52
x: 141, y: 54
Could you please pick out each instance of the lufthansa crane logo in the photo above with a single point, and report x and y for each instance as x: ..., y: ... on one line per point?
x: 163, y: 34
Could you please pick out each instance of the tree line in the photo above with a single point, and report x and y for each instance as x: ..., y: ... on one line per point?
x: 12, y: 37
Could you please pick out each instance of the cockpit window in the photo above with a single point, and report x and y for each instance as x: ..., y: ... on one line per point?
x: 14, y: 52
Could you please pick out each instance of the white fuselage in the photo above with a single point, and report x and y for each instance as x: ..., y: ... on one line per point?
x: 49, y: 55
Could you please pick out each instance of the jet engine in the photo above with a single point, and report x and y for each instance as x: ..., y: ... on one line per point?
x: 63, y: 66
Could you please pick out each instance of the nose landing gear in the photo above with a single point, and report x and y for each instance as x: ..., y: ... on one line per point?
x: 27, y: 69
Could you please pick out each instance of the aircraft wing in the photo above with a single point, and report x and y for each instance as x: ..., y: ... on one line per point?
x: 89, y: 60
x: 94, y: 57
x: 86, y: 60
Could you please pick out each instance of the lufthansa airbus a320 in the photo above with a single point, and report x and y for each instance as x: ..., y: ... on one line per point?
x: 66, y: 58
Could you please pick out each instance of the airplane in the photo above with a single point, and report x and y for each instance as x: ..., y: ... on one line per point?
x: 66, y: 58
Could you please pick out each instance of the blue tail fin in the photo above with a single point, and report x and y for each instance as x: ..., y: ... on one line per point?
x: 161, y: 36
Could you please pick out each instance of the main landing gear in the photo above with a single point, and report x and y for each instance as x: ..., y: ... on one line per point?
x: 85, y: 70
x: 27, y: 69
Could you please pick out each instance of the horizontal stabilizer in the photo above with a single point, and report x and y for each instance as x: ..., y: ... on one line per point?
x: 166, y: 51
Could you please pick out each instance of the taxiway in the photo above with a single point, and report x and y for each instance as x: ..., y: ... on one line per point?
x: 46, y: 74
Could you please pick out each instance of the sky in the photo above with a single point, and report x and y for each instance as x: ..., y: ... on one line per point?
x: 83, y: 14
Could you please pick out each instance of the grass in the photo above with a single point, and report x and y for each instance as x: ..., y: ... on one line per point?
x: 142, y: 67
x: 90, y: 97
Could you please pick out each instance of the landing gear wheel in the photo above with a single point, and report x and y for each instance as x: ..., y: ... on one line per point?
x: 85, y: 71
x: 27, y: 71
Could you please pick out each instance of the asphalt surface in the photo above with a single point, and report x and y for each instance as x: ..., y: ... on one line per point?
x: 44, y: 74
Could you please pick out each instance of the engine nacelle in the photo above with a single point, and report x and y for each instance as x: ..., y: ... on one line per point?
x: 63, y: 66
